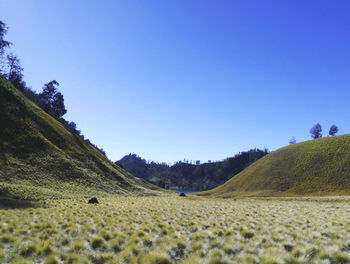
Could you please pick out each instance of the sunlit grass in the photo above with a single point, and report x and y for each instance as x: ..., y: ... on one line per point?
x: 178, y: 230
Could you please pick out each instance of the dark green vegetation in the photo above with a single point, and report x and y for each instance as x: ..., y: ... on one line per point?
x: 40, y: 158
x: 316, y: 167
x: 186, y: 176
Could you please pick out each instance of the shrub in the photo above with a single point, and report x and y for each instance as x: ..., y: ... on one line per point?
x: 97, y: 242
x: 106, y: 235
x: 147, y: 242
x: 341, y: 258
x: 51, y: 259
x: 78, y: 245
x: 6, y: 238
x: 116, y: 245
x: 44, y: 248
x: 154, y: 258
x: 28, y: 250
x: 247, y: 234
x: 216, y: 258
x: 288, y: 247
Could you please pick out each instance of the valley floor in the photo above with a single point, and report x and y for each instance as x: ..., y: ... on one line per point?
x: 178, y: 230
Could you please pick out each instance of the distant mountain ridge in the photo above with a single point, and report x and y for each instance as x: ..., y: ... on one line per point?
x: 315, y: 167
x: 40, y: 158
x: 187, y: 176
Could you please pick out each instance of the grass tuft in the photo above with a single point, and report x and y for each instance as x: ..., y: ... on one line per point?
x: 154, y: 258
x: 51, y: 259
x: 97, y: 243
x: 247, y: 234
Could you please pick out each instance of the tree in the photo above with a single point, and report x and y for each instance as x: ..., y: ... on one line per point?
x: 71, y: 126
x: 292, y: 141
x: 316, y: 131
x: 58, y: 107
x: 46, y: 97
x: 333, y: 130
x: 14, y: 65
x: 3, y: 44
x: 52, y: 101
x: 17, y: 80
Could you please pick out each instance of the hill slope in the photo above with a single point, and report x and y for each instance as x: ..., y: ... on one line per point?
x: 40, y: 158
x: 316, y: 167
x: 187, y: 176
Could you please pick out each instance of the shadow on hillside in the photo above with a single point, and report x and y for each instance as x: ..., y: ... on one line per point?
x: 11, y: 203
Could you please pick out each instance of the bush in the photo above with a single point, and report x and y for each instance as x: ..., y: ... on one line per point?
x: 247, y: 234
x: 51, y: 260
x: 154, y: 259
x: 28, y: 250
x: 6, y: 239
x: 97, y: 242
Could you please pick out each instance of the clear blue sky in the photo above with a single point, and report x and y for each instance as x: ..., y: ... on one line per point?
x: 189, y: 79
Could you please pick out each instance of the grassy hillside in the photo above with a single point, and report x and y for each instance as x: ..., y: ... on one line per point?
x: 316, y: 167
x: 40, y: 158
x: 187, y: 176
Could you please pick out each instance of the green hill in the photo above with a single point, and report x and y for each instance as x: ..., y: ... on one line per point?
x: 39, y: 158
x: 316, y: 167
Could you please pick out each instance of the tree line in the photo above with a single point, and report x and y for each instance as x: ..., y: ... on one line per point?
x: 187, y: 176
x: 50, y: 99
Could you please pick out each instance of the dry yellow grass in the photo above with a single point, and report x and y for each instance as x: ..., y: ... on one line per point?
x: 179, y: 230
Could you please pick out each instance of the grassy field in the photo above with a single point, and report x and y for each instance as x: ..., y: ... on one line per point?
x: 178, y: 230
